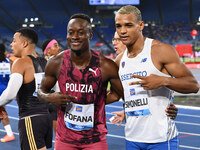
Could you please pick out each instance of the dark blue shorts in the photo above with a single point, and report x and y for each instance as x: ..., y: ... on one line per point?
x: 168, y: 145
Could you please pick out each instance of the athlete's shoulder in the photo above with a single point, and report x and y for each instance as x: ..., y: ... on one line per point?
x: 107, y: 63
x: 20, y: 65
x: 160, y: 45
x: 104, y: 60
x: 19, y: 61
x: 57, y: 57
x: 64, y: 52
x: 54, y: 64
x: 161, y: 52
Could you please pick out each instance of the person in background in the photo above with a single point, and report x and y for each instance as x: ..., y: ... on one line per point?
x: 4, y: 78
x: 118, y: 45
x: 149, y: 71
x: 35, y: 125
x: 50, y: 48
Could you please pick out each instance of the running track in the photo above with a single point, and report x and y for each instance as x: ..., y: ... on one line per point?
x: 187, y: 122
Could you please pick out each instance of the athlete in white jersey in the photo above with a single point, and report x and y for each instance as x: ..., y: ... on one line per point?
x: 149, y: 71
x: 145, y: 109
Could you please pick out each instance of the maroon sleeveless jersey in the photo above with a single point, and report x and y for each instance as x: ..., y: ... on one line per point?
x: 86, y: 84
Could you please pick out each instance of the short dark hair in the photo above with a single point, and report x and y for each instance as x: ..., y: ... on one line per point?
x: 84, y: 17
x: 81, y: 16
x: 29, y: 33
x: 45, y: 43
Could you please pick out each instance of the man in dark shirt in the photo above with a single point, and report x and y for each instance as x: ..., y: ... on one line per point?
x: 35, y: 127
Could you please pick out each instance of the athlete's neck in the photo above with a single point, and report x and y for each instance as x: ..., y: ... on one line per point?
x: 136, y: 48
x: 29, y: 52
x: 81, y: 60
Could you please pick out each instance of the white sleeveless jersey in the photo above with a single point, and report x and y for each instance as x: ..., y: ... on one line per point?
x: 146, y: 119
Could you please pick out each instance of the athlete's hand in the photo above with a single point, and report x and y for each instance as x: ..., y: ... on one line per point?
x: 171, y: 111
x: 148, y: 82
x: 3, y: 113
x: 58, y: 98
x: 118, y: 118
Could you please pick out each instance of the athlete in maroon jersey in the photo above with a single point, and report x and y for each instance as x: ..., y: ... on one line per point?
x: 83, y: 75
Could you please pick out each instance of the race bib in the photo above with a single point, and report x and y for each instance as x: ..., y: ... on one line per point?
x: 80, y: 117
x: 136, y: 101
x: 4, y: 68
x: 38, y: 80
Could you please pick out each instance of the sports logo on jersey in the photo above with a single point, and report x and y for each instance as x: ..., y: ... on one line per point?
x: 143, y: 60
x: 94, y: 71
x: 79, y: 108
x: 132, y: 92
x: 123, y: 64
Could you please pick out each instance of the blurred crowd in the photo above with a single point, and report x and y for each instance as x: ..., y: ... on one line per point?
x: 171, y: 33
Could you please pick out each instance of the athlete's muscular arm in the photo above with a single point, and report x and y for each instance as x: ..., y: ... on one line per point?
x: 110, y: 73
x: 112, y: 95
x: 14, y: 84
x: 52, y: 71
x: 166, y: 59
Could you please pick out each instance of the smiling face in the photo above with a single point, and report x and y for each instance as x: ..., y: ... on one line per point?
x: 54, y: 49
x: 128, y: 28
x: 78, y: 34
